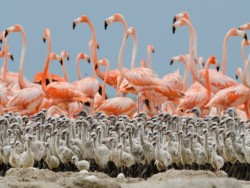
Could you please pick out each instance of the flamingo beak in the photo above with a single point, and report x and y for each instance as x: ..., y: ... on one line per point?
x: 12, y: 57
x: 218, y: 68
x: 174, y: 20
x: 44, y: 40
x: 105, y: 25
x: 74, y: 25
x: 236, y: 76
x: 171, y: 62
x: 61, y: 61
x: 6, y: 33
x: 245, y: 36
x: 68, y: 58
x: 88, y: 60
x: 173, y: 29
x: 1, y: 41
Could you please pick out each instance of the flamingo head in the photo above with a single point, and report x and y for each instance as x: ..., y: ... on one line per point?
x: 14, y: 28
x: 238, y: 72
x: 131, y: 31
x: 114, y: 18
x: 80, y: 19
x: 178, y: 23
x: 245, y: 26
x: 65, y: 54
x: 103, y: 62
x: 237, y: 32
x: 151, y: 48
x: 81, y: 55
x: 212, y: 60
x: 177, y: 58
x: 46, y: 34
x: 181, y: 15
x: 245, y: 43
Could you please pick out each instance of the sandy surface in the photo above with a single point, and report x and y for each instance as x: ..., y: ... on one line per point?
x: 34, y: 178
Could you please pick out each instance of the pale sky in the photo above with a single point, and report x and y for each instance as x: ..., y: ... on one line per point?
x: 152, y: 19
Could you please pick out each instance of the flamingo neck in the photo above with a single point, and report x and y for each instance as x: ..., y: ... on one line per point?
x: 121, y: 53
x: 20, y: 75
x: 46, y: 67
x: 94, y: 54
x: 224, y: 56
x: 65, y: 75
x: 245, y: 77
x: 135, y: 47
x: 104, y: 83
x: 185, y: 81
x: 207, y: 81
x: 243, y: 55
x: 78, y: 69
x: 150, y: 60
x: 5, y: 63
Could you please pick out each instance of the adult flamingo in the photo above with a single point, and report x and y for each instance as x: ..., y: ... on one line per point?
x: 30, y: 96
x: 117, y: 105
x: 217, y: 79
x: 243, y: 44
x: 89, y: 86
x: 50, y: 77
x: 59, y: 90
x: 196, y: 96
x: 142, y: 79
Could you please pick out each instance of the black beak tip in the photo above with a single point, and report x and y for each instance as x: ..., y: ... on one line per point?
x: 173, y: 29
x: 218, y: 68
x: 96, y: 66
x: 174, y: 20
x: 236, y: 76
x: 6, y: 33
x: 74, y: 25
x: 61, y: 61
x: 245, y: 36
x: 1, y: 41
x: 44, y: 40
x: 88, y: 61
x: 153, y: 51
x: 12, y: 57
x: 105, y: 25
x: 67, y: 58
x: 171, y: 62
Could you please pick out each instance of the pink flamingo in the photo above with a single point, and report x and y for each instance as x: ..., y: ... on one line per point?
x: 30, y: 96
x: 117, y: 105
x: 89, y: 86
x: 243, y: 44
x: 217, y: 79
x: 59, y: 90
x: 197, y: 96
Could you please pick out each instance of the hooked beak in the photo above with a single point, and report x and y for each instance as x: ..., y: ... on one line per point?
x: 61, y: 61
x: 174, y: 20
x: 218, y: 68
x: 171, y: 62
x: 173, y: 29
x: 68, y: 58
x: 88, y: 60
x: 74, y: 25
x: 6, y: 33
x: 105, y: 25
x: 1, y: 41
x: 236, y: 76
x: 245, y: 36
x: 44, y: 40
x: 12, y: 57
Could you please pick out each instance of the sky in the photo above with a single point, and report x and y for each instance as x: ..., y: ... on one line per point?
x: 152, y: 19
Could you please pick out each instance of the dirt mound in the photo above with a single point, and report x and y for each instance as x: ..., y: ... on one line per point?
x: 170, y: 174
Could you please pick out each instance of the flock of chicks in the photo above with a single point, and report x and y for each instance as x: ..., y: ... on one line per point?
x: 137, y: 147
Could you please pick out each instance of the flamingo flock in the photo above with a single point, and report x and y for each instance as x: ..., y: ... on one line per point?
x: 61, y: 125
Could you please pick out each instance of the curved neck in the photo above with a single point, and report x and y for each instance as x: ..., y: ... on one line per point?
x: 245, y: 76
x: 185, y: 79
x: 65, y: 75
x: 121, y: 53
x: 46, y: 66
x: 78, y: 69
x: 224, y: 58
x: 21, y: 70
x: 5, y: 63
x: 104, y: 83
x: 243, y: 55
x: 93, y: 51
x: 207, y: 81
x: 133, y: 62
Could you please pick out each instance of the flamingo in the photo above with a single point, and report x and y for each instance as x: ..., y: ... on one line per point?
x: 53, y: 77
x: 89, y: 86
x: 243, y: 44
x: 30, y: 96
x: 197, y: 96
x: 217, y: 79
x: 143, y: 79
x: 117, y: 105
x: 59, y: 90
